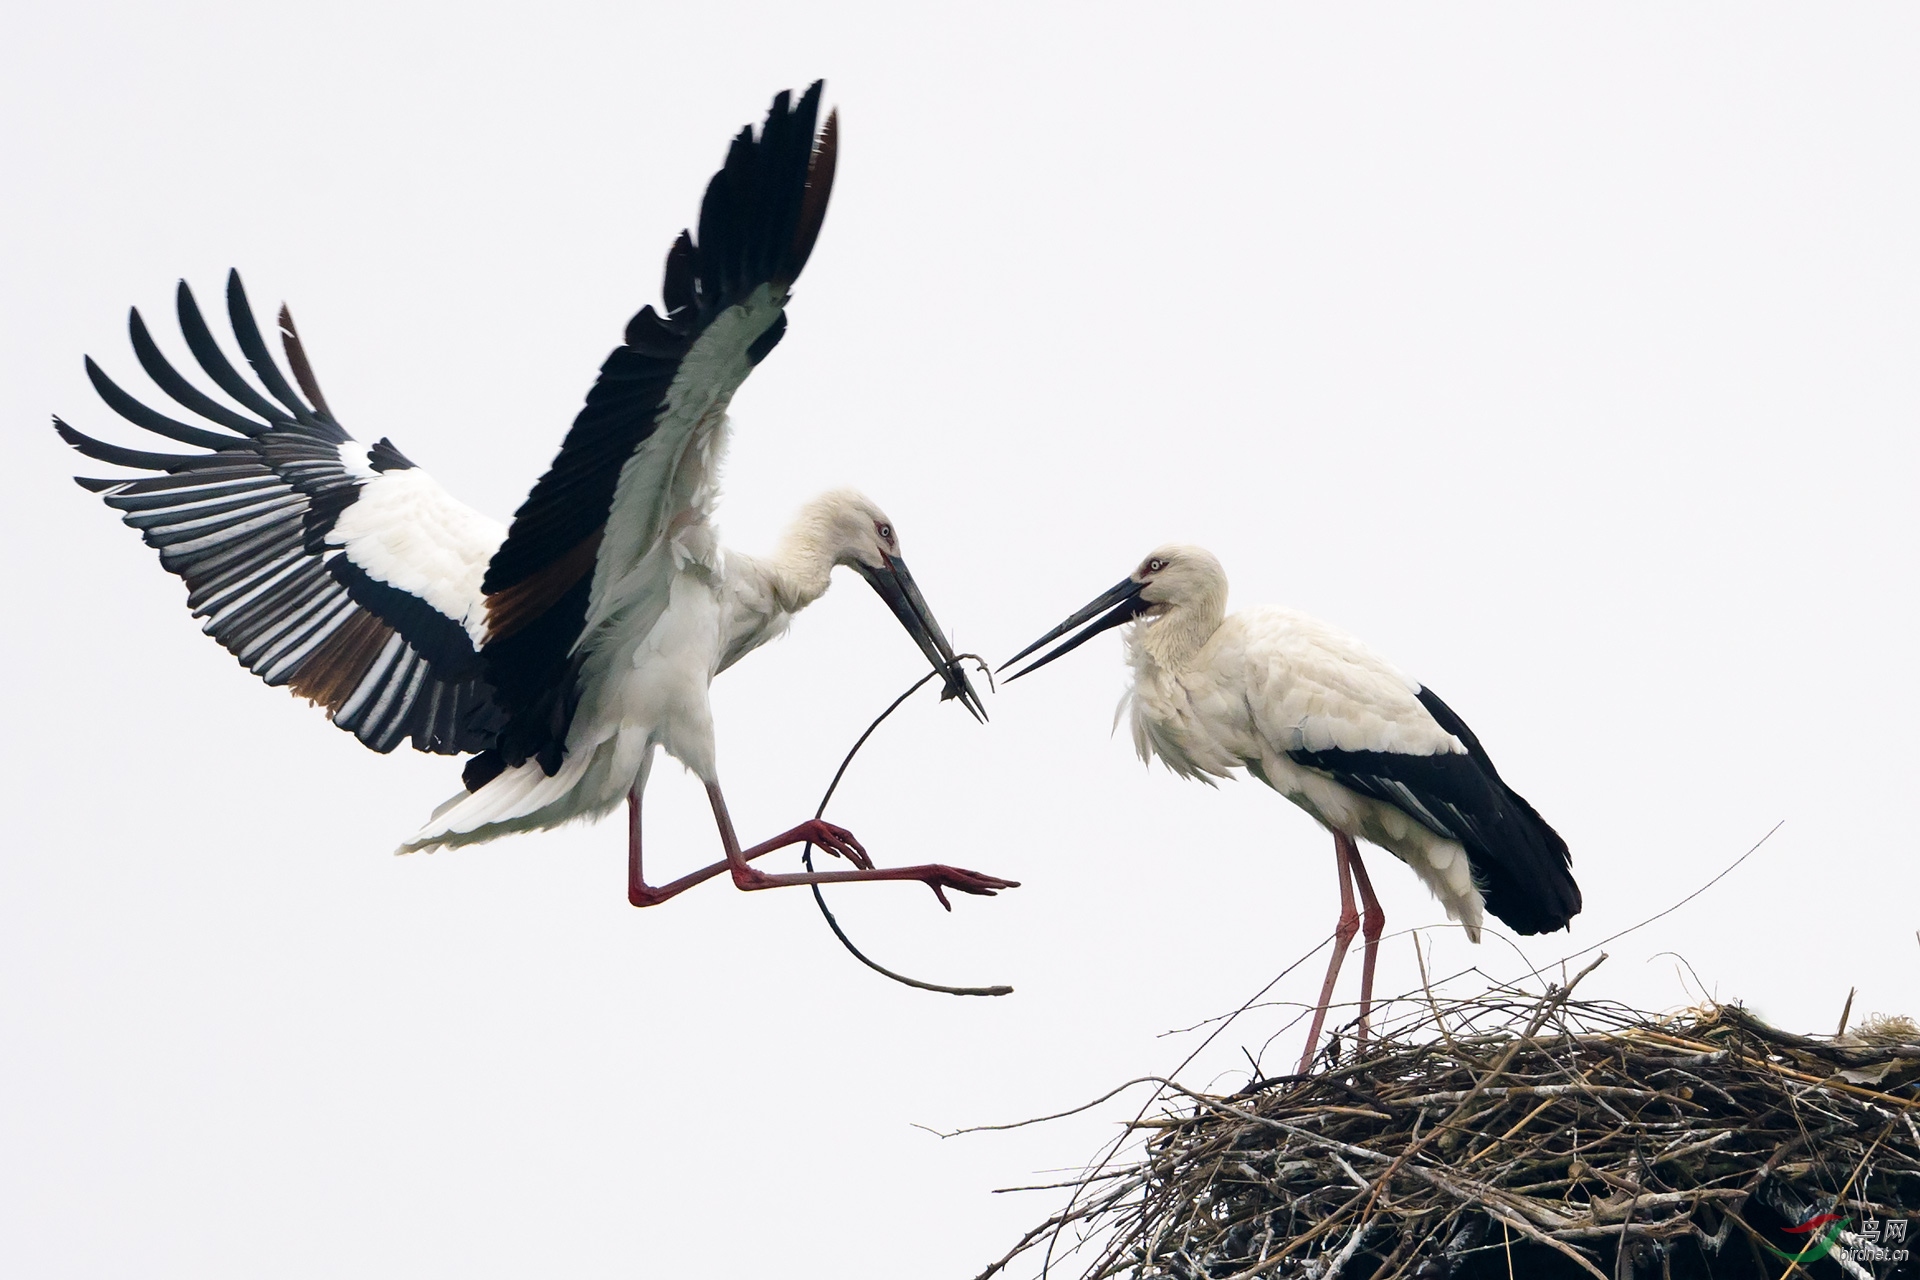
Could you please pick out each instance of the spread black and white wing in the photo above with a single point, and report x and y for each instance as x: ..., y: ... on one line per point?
x: 339, y: 570
x: 639, y: 460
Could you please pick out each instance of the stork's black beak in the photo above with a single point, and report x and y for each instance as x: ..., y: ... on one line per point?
x: 1122, y: 602
x: 897, y: 587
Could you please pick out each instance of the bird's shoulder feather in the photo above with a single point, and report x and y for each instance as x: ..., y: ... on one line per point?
x: 1309, y: 686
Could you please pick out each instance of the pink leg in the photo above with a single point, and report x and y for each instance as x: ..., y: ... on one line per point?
x: 835, y: 840
x: 1343, y: 853
x: 1373, y: 922
x: 935, y: 876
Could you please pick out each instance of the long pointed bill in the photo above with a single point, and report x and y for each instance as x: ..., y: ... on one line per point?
x: 897, y: 587
x: 1121, y: 602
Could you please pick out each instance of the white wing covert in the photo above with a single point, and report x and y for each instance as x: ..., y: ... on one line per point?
x: 1312, y: 687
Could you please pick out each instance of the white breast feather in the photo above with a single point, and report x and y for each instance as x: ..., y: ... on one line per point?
x: 750, y: 610
x: 1270, y: 681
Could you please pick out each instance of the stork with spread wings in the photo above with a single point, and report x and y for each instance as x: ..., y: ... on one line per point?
x: 559, y: 651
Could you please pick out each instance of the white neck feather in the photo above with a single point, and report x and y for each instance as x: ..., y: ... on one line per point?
x: 1172, y: 640
x: 801, y: 566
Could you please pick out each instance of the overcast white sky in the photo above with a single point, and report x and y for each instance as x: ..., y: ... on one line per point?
x: 1567, y: 355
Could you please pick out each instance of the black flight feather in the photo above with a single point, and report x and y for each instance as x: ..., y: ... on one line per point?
x: 101, y: 451
x: 246, y: 526
x: 158, y: 423
x: 184, y: 393
x: 214, y: 361
x: 1521, y: 864
x: 246, y: 331
x: 297, y: 358
x: 758, y: 220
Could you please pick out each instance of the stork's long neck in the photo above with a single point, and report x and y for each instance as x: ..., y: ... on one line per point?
x: 801, y: 566
x: 1172, y: 640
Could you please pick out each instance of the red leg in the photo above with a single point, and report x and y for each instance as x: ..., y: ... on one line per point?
x: 935, y: 876
x: 1342, y: 939
x: 835, y: 840
x: 1373, y: 921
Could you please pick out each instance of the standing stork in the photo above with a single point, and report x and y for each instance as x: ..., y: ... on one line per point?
x: 561, y: 651
x: 1312, y: 713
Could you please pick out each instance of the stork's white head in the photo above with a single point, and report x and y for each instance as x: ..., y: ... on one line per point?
x: 844, y: 527
x: 1180, y: 592
x: 1177, y: 577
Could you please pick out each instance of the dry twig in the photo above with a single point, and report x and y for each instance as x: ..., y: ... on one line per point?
x: 1601, y: 1141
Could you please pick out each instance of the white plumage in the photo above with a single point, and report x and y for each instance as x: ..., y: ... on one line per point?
x: 1268, y: 682
x: 663, y: 631
x: 1321, y: 719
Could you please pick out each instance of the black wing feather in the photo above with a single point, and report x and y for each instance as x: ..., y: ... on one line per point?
x: 247, y: 333
x: 1520, y: 862
x: 141, y: 416
x: 703, y: 279
x: 302, y: 370
x: 193, y: 327
x: 183, y: 392
x: 101, y: 451
x: 758, y: 221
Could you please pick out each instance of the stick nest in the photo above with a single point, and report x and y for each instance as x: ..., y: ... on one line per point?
x: 1520, y: 1135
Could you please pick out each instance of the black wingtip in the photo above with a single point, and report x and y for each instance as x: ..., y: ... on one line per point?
x: 1531, y: 888
x: 246, y: 332
x: 763, y: 210
x: 819, y: 188
x: 142, y: 416
x: 297, y: 357
x: 101, y: 451
x: 214, y: 363
x: 183, y: 393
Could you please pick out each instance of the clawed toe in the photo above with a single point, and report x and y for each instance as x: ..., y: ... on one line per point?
x: 940, y: 879
x: 839, y: 842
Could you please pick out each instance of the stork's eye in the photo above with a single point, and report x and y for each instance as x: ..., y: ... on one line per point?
x: 1155, y: 566
x: 885, y: 531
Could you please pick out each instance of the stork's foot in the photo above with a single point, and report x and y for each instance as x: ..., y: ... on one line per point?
x: 941, y: 878
x: 837, y: 841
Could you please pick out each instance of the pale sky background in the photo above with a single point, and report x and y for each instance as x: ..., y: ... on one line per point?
x: 1566, y: 355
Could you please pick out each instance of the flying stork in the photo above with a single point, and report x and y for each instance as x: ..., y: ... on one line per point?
x: 560, y: 651
x: 1312, y: 713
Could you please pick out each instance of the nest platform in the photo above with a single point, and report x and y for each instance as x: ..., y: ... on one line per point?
x: 1521, y: 1135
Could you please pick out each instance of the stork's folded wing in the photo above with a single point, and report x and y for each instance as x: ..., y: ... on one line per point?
x: 1521, y: 863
